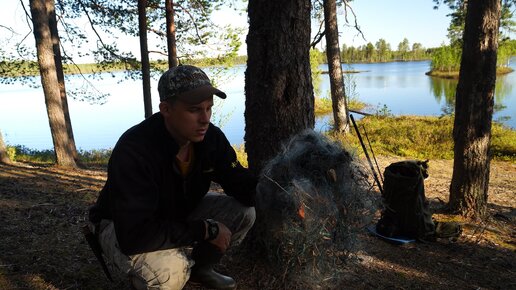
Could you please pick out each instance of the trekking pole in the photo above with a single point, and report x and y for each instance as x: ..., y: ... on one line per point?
x: 96, y: 248
x: 366, y: 154
x: 372, y: 152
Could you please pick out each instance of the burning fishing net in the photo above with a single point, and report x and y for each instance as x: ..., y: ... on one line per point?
x: 312, y: 199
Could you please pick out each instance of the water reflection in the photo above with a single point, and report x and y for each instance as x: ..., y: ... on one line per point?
x: 445, y: 89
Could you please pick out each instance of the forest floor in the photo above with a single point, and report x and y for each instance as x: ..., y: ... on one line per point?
x: 42, y: 209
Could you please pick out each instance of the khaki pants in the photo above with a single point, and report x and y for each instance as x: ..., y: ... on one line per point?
x: 170, y: 269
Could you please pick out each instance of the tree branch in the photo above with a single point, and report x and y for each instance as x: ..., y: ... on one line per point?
x: 29, y: 22
x: 112, y: 52
x: 357, y: 27
x: 193, y: 22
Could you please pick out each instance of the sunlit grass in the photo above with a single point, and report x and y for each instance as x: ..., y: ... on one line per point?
x: 455, y: 74
x: 88, y: 157
x: 323, y: 106
x: 405, y: 136
x: 424, y: 137
x: 241, y: 154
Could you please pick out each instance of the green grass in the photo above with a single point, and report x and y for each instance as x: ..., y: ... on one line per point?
x: 90, y: 157
x: 323, y: 106
x: 405, y: 136
x: 455, y: 74
x: 424, y: 137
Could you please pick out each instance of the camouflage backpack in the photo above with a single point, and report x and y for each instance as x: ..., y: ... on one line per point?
x: 406, y: 213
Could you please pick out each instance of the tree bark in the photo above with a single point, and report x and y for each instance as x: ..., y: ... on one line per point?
x: 340, y: 110
x: 4, y: 157
x: 144, y: 50
x: 474, y: 109
x: 171, y: 34
x: 60, y: 75
x: 50, y: 84
x: 278, y: 84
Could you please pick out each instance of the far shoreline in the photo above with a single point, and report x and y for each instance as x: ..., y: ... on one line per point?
x: 455, y: 74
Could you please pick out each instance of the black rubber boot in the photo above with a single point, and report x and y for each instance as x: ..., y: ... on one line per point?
x: 206, y: 256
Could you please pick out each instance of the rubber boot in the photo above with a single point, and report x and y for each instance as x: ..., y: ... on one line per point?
x: 206, y: 256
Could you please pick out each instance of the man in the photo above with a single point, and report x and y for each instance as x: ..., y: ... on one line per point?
x: 154, y: 207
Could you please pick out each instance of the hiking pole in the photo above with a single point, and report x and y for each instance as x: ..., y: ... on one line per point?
x: 96, y: 248
x: 372, y: 152
x: 366, y: 154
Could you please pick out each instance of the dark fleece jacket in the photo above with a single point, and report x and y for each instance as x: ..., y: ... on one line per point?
x: 149, y: 200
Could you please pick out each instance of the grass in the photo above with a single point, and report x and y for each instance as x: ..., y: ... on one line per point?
x: 404, y: 136
x: 97, y: 157
x: 424, y: 137
x: 455, y: 74
x: 323, y: 106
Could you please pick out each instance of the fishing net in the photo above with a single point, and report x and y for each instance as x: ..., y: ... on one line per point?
x: 312, y: 199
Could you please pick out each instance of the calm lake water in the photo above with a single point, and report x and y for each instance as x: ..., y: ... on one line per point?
x: 401, y: 86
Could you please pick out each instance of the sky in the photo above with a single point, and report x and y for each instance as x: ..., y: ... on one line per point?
x: 393, y: 21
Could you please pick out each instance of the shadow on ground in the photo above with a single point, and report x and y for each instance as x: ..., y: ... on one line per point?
x: 42, y: 247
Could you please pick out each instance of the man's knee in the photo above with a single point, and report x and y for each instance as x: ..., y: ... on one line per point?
x: 166, y: 269
x: 248, y: 217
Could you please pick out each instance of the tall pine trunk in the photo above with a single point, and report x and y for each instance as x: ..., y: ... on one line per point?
x: 144, y: 51
x: 340, y: 110
x: 278, y: 85
x: 60, y: 75
x: 171, y: 34
x: 50, y: 84
x: 474, y: 109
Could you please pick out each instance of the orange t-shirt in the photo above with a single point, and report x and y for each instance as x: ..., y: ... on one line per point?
x: 185, y: 166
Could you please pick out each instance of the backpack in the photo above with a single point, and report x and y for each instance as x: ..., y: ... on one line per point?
x: 406, y: 213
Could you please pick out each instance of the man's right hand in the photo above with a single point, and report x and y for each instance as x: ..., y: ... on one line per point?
x: 223, y: 239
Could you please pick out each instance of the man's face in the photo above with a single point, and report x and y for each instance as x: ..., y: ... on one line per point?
x: 186, y: 122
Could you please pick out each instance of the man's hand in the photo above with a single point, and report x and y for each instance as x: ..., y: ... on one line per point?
x: 223, y: 238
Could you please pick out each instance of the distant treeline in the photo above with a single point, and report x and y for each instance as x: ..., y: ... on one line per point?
x: 447, y: 58
x: 381, y: 51
x: 444, y: 59
x: 10, y: 69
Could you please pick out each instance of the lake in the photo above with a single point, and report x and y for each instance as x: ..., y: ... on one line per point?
x: 402, y: 87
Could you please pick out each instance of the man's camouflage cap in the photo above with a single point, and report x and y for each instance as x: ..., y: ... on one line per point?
x: 186, y: 83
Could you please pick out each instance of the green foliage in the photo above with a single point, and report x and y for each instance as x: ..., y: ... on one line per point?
x: 95, y: 157
x: 383, y: 111
x: 406, y: 136
x: 424, y: 137
x: 381, y: 52
x: 506, y: 49
x: 316, y: 58
x: 403, y: 49
x: 446, y: 58
x: 11, y: 153
x: 503, y: 143
x: 322, y: 106
x: 241, y: 155
x: 22, y: 153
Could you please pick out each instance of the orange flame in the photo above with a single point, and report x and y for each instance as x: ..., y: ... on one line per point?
x: 301, y: 211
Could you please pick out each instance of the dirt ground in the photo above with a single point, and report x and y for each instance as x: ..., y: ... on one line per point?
x: 42, y: 209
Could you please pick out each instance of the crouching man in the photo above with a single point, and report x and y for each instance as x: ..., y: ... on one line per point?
x: 155, y: 220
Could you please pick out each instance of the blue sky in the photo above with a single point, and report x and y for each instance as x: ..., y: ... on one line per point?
x: 391, y: 20
x: 394, y: 20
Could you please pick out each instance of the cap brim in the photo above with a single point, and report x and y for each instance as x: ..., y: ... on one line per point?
x: 201, y: 94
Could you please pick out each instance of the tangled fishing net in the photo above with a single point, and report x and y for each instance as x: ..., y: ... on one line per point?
x: 312, y: 199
